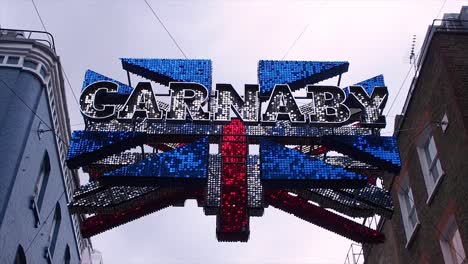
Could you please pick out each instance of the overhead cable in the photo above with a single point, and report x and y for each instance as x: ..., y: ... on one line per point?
x: 399, y: 90
x: 34, y: 112
x: 165, y: 28
x: 61, y: 67
x: 295, y: 41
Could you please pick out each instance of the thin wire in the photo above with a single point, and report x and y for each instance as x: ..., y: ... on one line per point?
x: 32, y: 111
x: 300, y: 35
x: 400, y: 130
x: 40, y: 18
x: 399, y: 90
x: 440, y: 10
x: 69, y: 84
x: 295, y: 41
x: 407, y: 74
x: 61, y: 66
x: 438, y: 13
x: 165, y: 28
x: 434, y: 113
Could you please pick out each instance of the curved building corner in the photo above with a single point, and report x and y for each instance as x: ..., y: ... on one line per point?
x: 36, y: 186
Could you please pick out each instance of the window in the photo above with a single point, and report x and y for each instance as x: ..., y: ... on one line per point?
x: 451, y: 244
x: 409, y: 203
x: 430, y: 152
x: 430, y: 164
x: 43, y: 72
x: 54, y: 230
x: 408, y: 209
x: 30, y: 64
x: 13, y: 60
x: 41, y: 183
x: 66, y: 256
x: 20, y: 257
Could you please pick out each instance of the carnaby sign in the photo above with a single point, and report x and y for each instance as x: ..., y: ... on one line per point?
x: 146, y: 148
x: 327, y: 105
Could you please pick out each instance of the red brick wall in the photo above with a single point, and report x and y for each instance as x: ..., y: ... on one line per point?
x: 442, y: 88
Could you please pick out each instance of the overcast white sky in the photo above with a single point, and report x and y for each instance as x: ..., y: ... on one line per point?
x: 374, y: 36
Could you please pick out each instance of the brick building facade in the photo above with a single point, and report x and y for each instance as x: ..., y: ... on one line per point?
x: 430, y: 222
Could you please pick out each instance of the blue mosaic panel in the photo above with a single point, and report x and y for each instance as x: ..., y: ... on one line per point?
x: 374, y: 150
x: 92, y: 77
x: 189, y: 162
x: 296, y: 73
x: 290, y: 167
x: 88, y: 146
x: 164, y: 71
x: 369, y: 84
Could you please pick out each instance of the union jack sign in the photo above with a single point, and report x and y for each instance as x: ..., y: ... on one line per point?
x: 236, y: 155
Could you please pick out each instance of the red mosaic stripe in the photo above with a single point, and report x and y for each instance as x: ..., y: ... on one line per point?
x: 233, y: 219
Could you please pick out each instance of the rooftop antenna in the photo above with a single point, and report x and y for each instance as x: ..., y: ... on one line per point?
x: 412, y: 57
